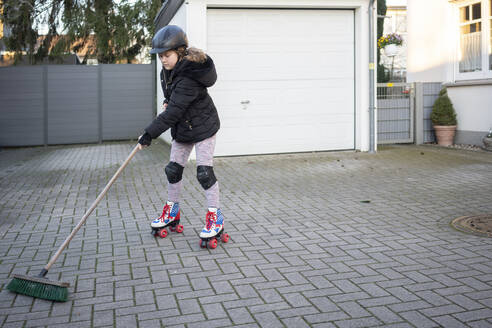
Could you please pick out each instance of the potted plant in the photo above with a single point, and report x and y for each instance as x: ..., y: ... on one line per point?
x: 389, y: 43
x: 443, y: 119
x: 487, y: 140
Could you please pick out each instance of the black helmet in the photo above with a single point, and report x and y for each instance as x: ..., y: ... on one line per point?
x: 167, y: 38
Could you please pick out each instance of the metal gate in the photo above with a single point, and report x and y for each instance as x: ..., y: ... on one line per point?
x: 395, y: 113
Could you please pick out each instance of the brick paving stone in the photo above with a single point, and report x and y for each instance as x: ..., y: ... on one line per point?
x: 474, y: 315
x: 126, y: 321
x: 418, y: 319
x: 296, y: 300
x: 433, y: 298
x: 354, y: 323
x: 353, y: 309
x: 211, y: 323
x: 384, y: 314
x: 189, y: 306
x: 465, y: 302
x: 267, y: 319
x: 214, y: 311
x: 296, y: 312
x: 397, y: 325
x: 449, y: 321
x: 442, y: 310
x: 393, y: 262
x: 155, y: 323
x: 240, y: 315
x: 297, y: 322
x: 268, y: 307
x: 402, y: 294
x: 480, y: 324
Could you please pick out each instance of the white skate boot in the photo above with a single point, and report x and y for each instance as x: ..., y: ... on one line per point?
x: 170, y: 217
x: 213, y: 229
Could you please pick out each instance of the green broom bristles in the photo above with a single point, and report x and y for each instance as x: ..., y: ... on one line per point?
x: 39, y: 288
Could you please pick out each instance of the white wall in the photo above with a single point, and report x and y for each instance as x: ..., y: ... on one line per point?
x: 392, y: 3
x: 193, y: 15
x: 430, y: 41
x: 472, y: 105
x: 197, y: 24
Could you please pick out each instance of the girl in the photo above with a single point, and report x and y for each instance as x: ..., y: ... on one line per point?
x: 192, y: 117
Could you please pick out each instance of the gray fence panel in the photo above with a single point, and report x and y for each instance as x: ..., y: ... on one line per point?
x: 127, y: 100
x: 72, y: 104
x: 21, y: 106
x: 67, y: 104
x: 430, y: 94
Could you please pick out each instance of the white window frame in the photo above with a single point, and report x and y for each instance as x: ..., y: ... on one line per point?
x: 486, y: 72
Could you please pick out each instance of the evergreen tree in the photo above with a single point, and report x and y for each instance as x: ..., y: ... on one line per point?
x: 19, y: 17
x: 383, y: 76
x: 108, y: 30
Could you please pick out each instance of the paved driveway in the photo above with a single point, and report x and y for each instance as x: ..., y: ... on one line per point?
x: 336, y: 239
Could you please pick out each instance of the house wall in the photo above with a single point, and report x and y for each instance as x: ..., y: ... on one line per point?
x: 195, y: 23
x: 430, y: 41
x: 472, y: 105
x: 432, y: 46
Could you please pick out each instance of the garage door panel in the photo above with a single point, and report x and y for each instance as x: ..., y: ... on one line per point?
x: 276, y: 96
x: 284, y: 141
x: 299, y: 85
x: 278, y: 66
x: 269, y: 62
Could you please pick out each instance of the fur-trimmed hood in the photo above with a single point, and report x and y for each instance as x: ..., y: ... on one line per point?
x: 198, y: 66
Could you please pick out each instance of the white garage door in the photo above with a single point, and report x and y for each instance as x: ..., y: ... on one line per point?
x: 285, y: 79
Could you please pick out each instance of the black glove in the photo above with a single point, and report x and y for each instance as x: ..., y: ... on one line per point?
x: 145, y: 139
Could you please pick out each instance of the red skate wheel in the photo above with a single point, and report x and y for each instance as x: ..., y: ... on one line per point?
x: 179, y: 228
x: 162, y: 233
x: 203, y: 243
x: 224, y: 238
x: 173, y: 229
x: 212, y: 243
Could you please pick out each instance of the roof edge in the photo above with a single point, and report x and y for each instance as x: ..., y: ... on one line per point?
x: 166, y: 13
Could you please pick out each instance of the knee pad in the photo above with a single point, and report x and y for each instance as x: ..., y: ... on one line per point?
x: 174, y: 172
x: 206, y: 176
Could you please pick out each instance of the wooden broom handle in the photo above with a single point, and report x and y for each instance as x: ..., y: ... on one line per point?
x: 93, y: 206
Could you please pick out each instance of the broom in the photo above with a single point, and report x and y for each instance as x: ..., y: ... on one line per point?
x: 41, y: 287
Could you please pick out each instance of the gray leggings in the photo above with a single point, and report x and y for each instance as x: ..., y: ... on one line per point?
x: 180, y: 152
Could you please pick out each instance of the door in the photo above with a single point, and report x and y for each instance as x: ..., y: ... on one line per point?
x: 285, y: 79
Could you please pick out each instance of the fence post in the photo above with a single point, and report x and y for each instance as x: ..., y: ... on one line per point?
x: 45, y: 104
x: 99, y: 102
x: 419, y: 113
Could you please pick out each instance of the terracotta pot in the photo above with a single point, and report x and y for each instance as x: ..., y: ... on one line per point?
x: 445, y: 134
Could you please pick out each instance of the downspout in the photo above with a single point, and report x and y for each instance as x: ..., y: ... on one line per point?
x: 371, y: 79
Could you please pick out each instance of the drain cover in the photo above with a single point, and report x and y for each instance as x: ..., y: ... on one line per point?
x: 479, y: 224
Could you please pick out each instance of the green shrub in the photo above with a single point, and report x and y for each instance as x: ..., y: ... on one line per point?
x: 443, y: 112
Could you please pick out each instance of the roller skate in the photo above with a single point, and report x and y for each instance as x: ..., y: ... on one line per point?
x: 169, y: 217
x: 213, y: 229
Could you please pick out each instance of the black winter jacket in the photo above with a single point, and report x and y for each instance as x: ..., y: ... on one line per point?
x: 190, y: 112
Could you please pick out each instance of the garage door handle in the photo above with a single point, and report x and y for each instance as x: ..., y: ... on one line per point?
x: 245, y: 102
